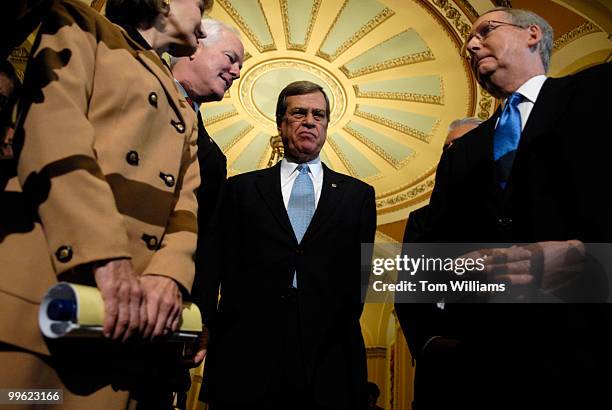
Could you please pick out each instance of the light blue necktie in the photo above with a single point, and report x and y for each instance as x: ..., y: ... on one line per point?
x: 301, y: 205
x: 506, y: 138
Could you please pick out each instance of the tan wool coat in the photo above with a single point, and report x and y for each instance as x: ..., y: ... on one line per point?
x: 107, y: 166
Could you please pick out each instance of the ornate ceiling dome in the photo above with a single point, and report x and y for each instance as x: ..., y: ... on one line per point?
x: 393, y: 73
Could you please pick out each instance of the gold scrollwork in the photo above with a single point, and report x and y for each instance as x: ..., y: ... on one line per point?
x: 342, y: 157
x: 411, y: 194
x: 414, y: 97
x: 229, y: 8
x: 453, y: 15
x: 574, y: 34
x: 314, y: 11
x: 485, y: 104
x: 426, y: 55
x: 219, y: 117
x: 377, y: 149
x: 237, y: 138
x: 365, y: 29
x: 420, y: 135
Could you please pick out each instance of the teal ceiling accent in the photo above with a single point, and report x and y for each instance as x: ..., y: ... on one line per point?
x: 214, y: 113
x: 228, y: 136
x: 404, y: 48
x: 426, y: 89
x: 392, y: 151
x: 416, y: 125
x: 250, y: 158
x: 357, y: 163
x: 298, y: 20
x: 325, y: 158
x: 249, y: 15
x: 355, y: 20
x: 269, y: 85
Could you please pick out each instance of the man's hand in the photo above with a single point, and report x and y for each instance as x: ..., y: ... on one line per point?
x: 122, y: 293
x: 549, y: 266
x: 162, y: 306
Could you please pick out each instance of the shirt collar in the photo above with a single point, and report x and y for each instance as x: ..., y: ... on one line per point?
x: 182, y: 90
x: 531, y: 88
x: 289, y: 166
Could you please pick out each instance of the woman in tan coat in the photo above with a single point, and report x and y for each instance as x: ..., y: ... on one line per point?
x: 107, y: 170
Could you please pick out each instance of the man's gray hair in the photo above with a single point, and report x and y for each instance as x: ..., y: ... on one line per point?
x: 464, y: 121
x: 526, y: 18
x: 213, y: 29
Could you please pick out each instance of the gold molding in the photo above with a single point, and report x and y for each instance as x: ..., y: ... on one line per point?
x: 426, y: 55
x: 249, y: 78
x: 358, y: 35
x: 454, y: 16
x: 285, y: 15
x: 404, y: 199
x: 485, y: 104
x: 377, y: 149
x: 457, y: 40
x: 229, y: 8
x: 421, y: 98
x: 420, y: 135
x: 219, y: 117
x: 343, y: 158
x: 238, y: 136
x: 467, y: 8
x: 574, y: 34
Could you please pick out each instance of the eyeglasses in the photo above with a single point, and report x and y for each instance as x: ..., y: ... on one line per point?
x: 482, y: 31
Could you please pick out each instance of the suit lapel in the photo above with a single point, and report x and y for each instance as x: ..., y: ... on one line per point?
x: 332, y: 192
x: 545, y: 112
x: 544, y: 115
x: 269, y: 187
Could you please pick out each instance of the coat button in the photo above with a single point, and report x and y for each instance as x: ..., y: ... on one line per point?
x: 64, y: 253
x: 151, y: 241
x: 179, y: 126
x: 153, y: 99
x: 168, y: 179
x: 132, y: 158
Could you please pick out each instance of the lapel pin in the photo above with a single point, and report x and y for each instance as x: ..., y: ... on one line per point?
x: 334, y: 186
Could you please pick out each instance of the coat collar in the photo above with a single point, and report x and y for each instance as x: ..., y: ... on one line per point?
x: 154, y: 63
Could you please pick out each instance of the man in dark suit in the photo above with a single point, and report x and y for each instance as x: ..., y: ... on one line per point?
x: 535, y: 172
x: 286, y: 333
x: 204, y: 77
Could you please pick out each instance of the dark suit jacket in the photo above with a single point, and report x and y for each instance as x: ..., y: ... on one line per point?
x: 258, y: 254
x: 213, y: 173
x: 556, y: 191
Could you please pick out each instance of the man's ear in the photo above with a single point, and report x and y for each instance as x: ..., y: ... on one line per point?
x: 535, y: 35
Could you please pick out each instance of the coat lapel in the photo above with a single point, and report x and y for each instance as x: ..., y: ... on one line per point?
x: 269, y: 187
x: 332, y: 191
x: 545, y: 112
x: 544, y: 115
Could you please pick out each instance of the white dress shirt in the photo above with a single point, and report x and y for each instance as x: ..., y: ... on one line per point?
x: 530, y: 91
x: 288, y: 174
